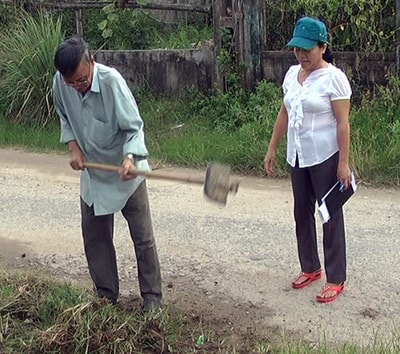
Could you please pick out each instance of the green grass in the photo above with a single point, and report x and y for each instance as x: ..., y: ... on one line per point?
x: 29, y: 138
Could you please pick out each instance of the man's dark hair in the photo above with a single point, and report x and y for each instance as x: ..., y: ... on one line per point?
x: 69, y: 54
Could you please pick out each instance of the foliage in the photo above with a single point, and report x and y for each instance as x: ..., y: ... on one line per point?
x: 354, y: 25
x: 232, y: 110
x: 116, y: 28
x: 27, y: 63
x: 182, y: 36
x: 231, y: 127
x: 123, y: 28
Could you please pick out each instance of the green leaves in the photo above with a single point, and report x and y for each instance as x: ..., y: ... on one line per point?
x: 112, y: 19
x: 354, y: 25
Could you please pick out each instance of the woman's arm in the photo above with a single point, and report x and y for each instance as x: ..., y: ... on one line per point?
x: 280, y: 129
x: 341, y: 111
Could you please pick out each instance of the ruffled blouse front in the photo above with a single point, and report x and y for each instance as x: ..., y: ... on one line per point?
x: 312, y: 127
x: 296, y: 114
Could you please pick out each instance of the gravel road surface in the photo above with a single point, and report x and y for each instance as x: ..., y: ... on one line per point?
x: 235, y: 261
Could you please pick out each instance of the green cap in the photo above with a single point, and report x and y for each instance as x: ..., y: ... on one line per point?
x: 307, y: 33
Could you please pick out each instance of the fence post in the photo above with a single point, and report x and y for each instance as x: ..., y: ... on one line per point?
x: 79, y: 22
x: 243, y: 19
x: 253, y: 30
x: 398, y: 36
x: 222, y: 21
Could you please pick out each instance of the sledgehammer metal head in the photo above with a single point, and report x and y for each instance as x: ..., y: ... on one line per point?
x: 218, y: 183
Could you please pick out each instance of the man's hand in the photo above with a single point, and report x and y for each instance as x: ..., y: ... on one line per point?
x: 76, y: 157
x: 127, y: 170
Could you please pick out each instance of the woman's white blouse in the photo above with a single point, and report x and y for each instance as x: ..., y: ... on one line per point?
x: 312, y: 131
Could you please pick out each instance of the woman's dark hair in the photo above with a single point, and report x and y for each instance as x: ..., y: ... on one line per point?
x: 69, y: 54
x: 327, y: 56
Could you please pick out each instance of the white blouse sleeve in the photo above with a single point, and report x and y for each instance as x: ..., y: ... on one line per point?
x: 339, y: 86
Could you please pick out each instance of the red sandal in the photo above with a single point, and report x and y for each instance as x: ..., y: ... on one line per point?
x: 309, y: 278
x: 336, y: 289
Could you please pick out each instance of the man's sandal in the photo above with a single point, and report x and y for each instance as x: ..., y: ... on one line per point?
x: 336, y: 289
x: 308, y: 278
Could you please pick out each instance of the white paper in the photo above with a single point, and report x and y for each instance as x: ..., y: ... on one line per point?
x: 323, y: 212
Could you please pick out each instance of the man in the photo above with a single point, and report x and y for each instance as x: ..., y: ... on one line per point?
x: 100, y: 122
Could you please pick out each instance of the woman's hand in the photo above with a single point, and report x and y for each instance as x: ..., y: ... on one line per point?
x: 280, y: 129
x: 269, y: 162
x: 344, y: 174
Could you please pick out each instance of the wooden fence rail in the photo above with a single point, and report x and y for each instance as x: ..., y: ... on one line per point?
x: 79, y: 6
x: 125, y: 4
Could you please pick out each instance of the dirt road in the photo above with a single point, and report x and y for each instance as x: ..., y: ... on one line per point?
x: 235, y: 261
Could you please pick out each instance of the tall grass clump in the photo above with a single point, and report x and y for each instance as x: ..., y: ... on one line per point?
x: 26, y: 61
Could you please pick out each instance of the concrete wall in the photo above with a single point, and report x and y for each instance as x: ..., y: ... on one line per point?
x: 167, y: 72
x: 366, y: 69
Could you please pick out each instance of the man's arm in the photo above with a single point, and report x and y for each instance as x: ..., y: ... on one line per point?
x: 129, y: 120
x: 76, y: 157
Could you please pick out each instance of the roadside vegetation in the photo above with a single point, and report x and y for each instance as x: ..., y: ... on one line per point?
x: 235, y: 128
x: 41, y: 315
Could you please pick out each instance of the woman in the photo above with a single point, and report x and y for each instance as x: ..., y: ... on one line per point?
x: 315, y: 116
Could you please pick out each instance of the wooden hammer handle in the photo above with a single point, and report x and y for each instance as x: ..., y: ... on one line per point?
x: 150, y: 174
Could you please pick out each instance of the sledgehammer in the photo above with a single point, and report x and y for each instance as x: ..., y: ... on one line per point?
x: 217, y: 182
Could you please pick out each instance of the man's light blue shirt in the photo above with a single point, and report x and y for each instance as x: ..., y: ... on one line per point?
x: 106, y: 124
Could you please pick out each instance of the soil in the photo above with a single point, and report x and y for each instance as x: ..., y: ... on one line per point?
x: 230, y: 265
